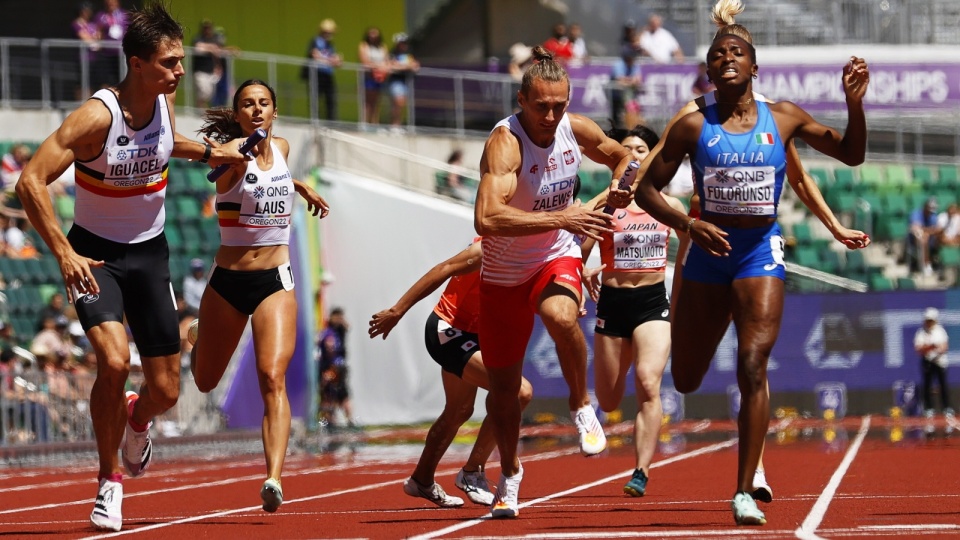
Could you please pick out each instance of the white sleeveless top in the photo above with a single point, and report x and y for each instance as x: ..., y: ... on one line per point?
x: 545, y: 183
x: 257, y: 210
x: 120, y: 193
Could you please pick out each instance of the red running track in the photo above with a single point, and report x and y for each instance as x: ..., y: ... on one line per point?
x: 862, y: 478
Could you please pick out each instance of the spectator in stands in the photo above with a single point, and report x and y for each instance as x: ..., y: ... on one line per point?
x: 18, y: 244
x: 403, y: 66
x: 627, y: 84
x: 922, y: 241
x: 13, y: 163
x: 932, y: 343
x: 85, y: 29
x: 578, y: 45
x: 658, y: 43
x: 521, y: 58
x: 702, y: 84
x: 949, y: 221
x: 221, y: 94
x: 54, y: 308
x: 51, y: 341
x: 559, y: 44
x: 112, y: 24
x: 376, y: 60
x: 332, y: 349
x: 8, y: 336
x: 454, y: 186
x: 193, y: 284
x: 207, y: 66
x: 9, y: 366
x: 324, y: 54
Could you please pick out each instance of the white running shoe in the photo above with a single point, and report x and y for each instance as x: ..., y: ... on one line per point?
x: 505, y: 503
x: 137, y: 449
x: 592, y: 439
x: 193, y: 331
x: 434, y: 494
x: 272, y: 495
x: 106, y: 511
x: 761, y: 489
x: 475, y: 485
x: 745, y: 511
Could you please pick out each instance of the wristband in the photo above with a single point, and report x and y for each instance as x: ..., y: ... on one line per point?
x: 206, y: 153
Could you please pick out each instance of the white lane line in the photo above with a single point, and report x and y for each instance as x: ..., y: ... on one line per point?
x: 257, y: 509
x: 184, y: 487
x: 690, y: 533
x: 807, y: 529
x: 679, y: 457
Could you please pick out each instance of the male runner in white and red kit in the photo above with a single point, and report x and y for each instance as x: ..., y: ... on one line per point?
x: 114, y: 260
x: 531, y: 263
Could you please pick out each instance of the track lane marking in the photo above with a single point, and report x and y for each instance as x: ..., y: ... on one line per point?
x: 807, y: 529
x: 679, y: 457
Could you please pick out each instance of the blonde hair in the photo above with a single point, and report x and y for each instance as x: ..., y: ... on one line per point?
x: 544, y: 68
x: 723, y: 14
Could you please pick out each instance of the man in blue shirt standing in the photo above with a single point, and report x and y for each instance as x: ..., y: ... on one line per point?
x: 325, y: 59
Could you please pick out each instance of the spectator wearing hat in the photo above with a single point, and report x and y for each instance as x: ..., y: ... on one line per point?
x: 194, y: 283
x: 325, y: 59
x: 521, y: 58
x: 922, y: 240
x: 931, y: 343
x: 403, y: 66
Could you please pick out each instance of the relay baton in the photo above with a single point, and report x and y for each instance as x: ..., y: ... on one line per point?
x: 245, y: 148
x: 628, y: 177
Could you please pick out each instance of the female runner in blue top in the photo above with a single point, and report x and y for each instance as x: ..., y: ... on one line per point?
x: 736, y: 266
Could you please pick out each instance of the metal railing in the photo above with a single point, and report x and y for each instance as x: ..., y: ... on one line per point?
x: 57, y: 74
x: 39, y: 406
x: 824, y: 22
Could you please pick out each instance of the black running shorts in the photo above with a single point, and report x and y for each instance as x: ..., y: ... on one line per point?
x: 134, y: 280
x: 449, y: 346
x: 245, y: 289
x: 621, y: 310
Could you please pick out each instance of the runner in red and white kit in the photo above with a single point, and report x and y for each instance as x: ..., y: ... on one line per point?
x: 115, y: 259
x: 633, y: 312
x: 527, y: 216
x: 452, y: 341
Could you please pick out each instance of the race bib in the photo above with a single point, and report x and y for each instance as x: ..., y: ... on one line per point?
x: 639, y: 249
x: 286, y: 276
x: 445, y: 332
x: 265, y: 206
x: 740, y: 190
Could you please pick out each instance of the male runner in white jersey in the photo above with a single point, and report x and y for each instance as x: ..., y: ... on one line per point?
x: 115, y: 260
x: 531, y: 263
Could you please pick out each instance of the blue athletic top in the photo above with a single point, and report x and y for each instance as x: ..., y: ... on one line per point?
x: 739, y: 173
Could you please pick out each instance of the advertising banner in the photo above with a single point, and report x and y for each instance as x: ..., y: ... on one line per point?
x: 863, y: 341
x: 816, y: 88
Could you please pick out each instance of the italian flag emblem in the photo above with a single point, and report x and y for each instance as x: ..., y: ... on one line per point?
x: 764, y: 138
